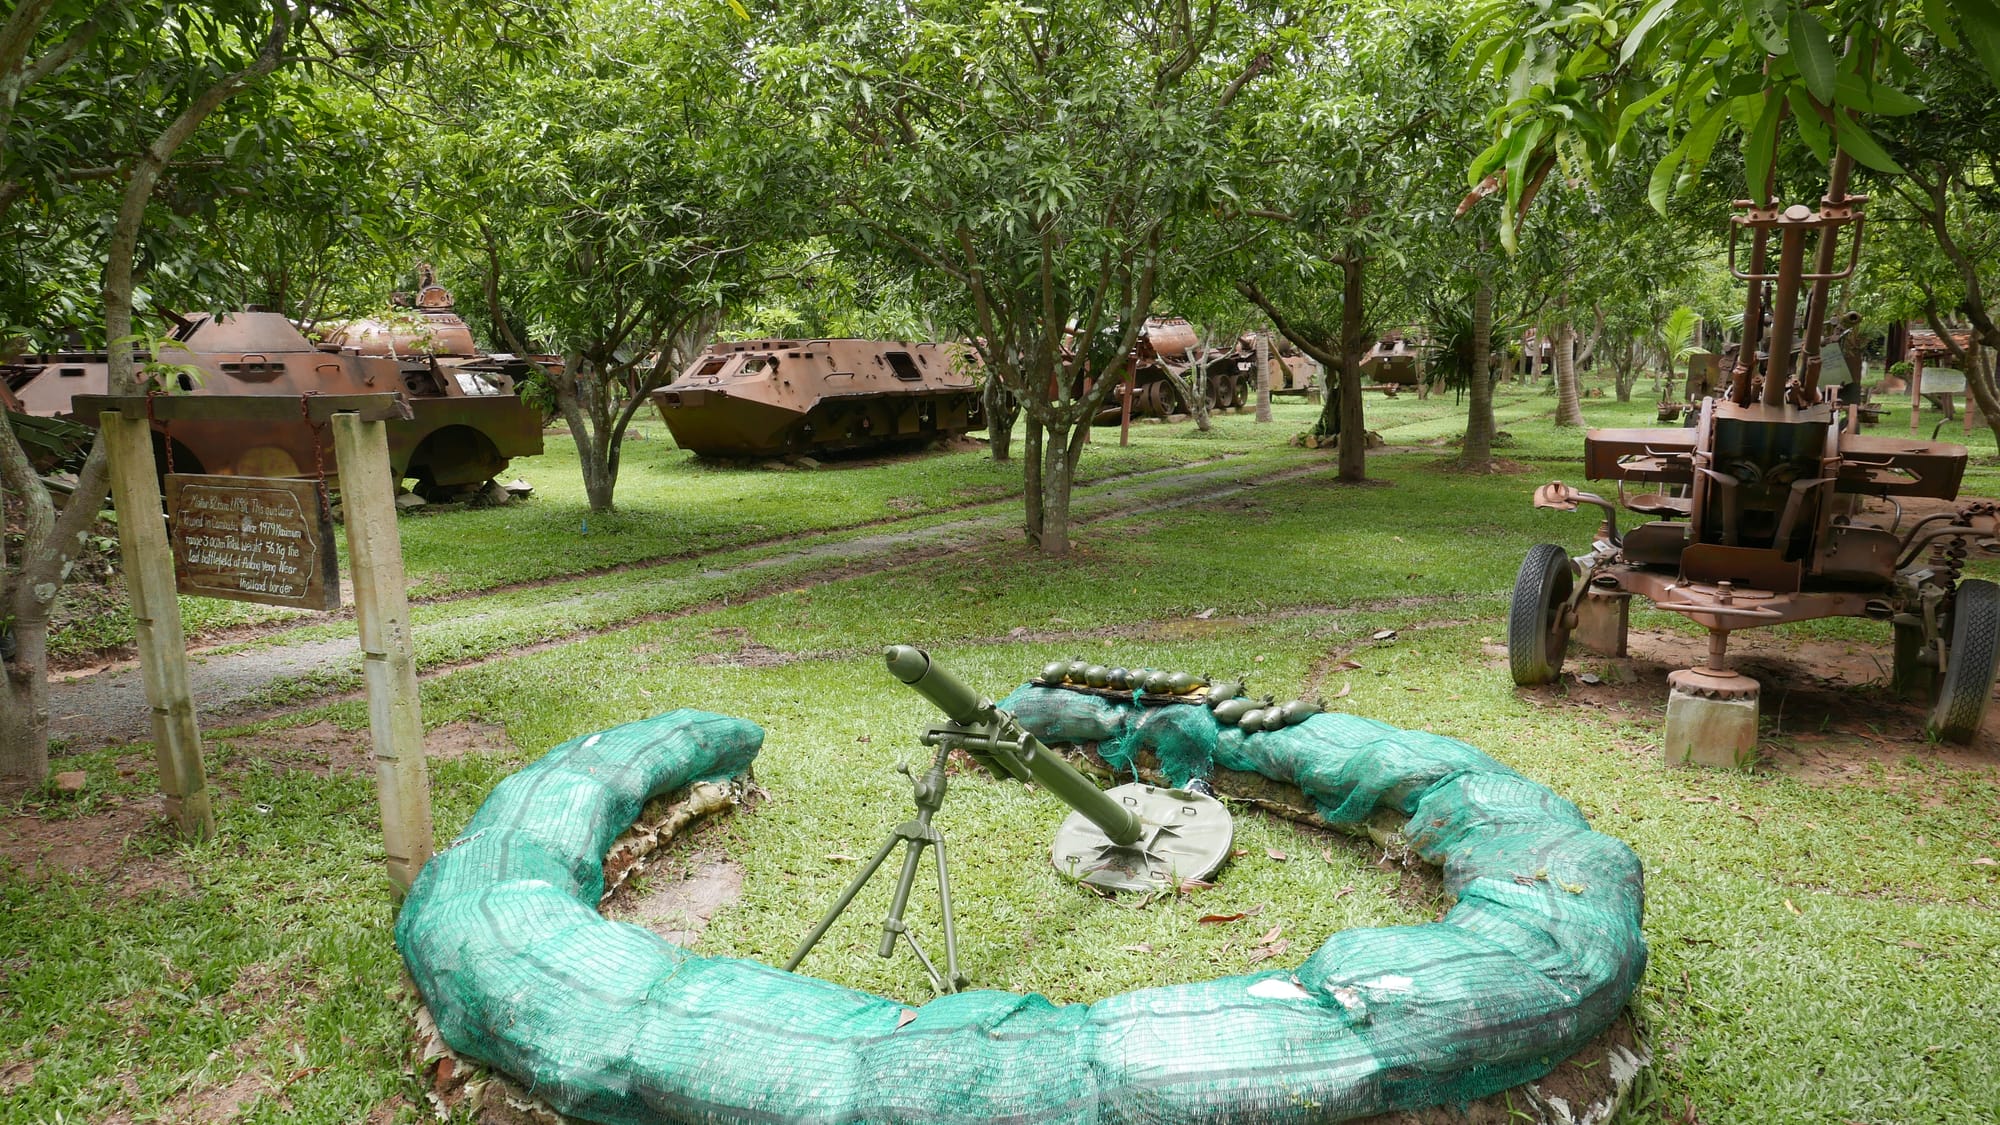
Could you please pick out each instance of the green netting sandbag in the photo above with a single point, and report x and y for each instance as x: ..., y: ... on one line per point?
x: 608, y: 1022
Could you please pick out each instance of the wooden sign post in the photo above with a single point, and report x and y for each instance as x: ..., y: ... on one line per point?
x: 156, y: 616
x: 270, y: 540
x: 388, y: 658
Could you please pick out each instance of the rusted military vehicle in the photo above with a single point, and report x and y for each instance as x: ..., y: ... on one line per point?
x: 1170, y: 344
x: 1773, y: 506
x: 1391, y: 363
x: 466, y: 422
x: 771, y: 398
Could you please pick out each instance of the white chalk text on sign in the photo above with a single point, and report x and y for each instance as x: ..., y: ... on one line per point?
x: 252, y: 539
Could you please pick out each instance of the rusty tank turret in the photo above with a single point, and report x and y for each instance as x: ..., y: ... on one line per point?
x: 466, y: 423
x: 769, y: 398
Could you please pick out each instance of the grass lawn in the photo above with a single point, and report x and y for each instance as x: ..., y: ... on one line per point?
x: 1823, y: 930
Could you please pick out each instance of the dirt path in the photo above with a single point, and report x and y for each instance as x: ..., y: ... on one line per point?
x: 108, y: 706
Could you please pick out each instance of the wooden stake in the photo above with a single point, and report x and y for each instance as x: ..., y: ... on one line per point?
x: 1263, y: 355
x: 1125, y: 392
x: 149, y: 581
x: 1916, y: 391
x: 388, y: 661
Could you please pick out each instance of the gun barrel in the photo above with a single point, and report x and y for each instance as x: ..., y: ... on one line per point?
x: 966, y: 707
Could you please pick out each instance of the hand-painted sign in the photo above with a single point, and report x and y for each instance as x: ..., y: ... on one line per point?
x: 253, y: 539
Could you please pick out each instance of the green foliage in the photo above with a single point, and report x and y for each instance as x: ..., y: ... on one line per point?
x: 1677, y: 333
x: 1580, y: 77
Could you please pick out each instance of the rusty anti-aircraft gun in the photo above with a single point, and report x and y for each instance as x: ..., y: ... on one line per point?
x: 1758, y: 514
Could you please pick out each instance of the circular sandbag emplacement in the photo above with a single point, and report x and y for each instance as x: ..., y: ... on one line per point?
x: 608, y: 1022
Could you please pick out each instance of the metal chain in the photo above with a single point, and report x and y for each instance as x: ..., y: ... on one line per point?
x: 166, y: 430
x: 319, y: 453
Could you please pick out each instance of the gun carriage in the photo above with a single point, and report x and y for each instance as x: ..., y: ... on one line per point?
x: 1760, y: 513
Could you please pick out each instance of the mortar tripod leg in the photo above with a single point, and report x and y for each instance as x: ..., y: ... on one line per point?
x: 953, y: 978
x: 840, y: 904
x: 893, y: 924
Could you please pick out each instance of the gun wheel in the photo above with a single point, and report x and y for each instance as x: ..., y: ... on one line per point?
x: 1537, y: 625
x: 1972, y: 660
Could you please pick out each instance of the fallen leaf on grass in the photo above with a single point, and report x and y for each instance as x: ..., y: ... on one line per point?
x: 1190, y: 886
x: 1204, y: 615
x: 1349, y: 665
x: 1345, y: 687
x: 1382, y: 635
x: 1142, y: 947
x: 1266, y: 952
x: 1239, y: 853
x: 1276, y: 854
x: 841, y: 857
x: 1214, y: 918
x: 1987, y: 861
x: 970, y: 589
x: 1271, y: 934
x: 1790, y: 907
x: 1906, y: 943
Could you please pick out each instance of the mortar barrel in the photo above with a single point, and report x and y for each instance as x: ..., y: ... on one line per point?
x: 967, y: 707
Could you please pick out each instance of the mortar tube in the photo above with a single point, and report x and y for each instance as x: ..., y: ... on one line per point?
x: 968, y: 708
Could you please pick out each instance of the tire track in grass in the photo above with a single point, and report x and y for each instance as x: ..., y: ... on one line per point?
x: 270, y: 679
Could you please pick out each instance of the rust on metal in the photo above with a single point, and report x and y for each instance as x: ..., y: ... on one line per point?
x: 1755, y: 513
x: 770, y: 398
x: 1392, y: 362
x: 253, y: 539
x: 465, y: 421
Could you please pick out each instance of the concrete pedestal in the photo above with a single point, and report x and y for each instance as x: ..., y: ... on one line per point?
x: 1711, y: 719
x: 1601, y: 622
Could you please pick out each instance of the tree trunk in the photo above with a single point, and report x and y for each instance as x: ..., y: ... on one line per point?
x: 1353, y: 428
x: 1569, y: 412
x: 1031, y: 480
x: 1055, y: 484
x: 50, y: 545
x: 1625, y: 367
x: 1588, y: 352
x: 574, y: 395
x: 1001, y: 410
x: 1477, y: 452
x: 24, y: 703
x: 1193, y: 392
x: 1263, y: 353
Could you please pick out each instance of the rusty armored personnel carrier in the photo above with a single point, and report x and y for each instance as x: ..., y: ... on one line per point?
x: 1773, y: 506
x: 1392, y: 362
x: 466, y: 421
x: 770, y: 398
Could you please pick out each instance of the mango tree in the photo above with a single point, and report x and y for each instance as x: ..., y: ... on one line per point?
x: 1041, y: 164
